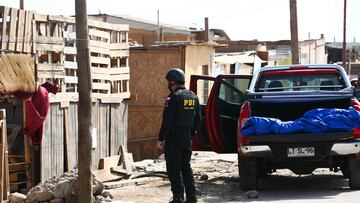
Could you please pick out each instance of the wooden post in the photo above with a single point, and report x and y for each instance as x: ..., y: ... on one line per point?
x: 4, y: 163
x: 85, y: 194
x: 344, y: 39
x: 2, y: 167
x: 21, y: 4
x: 27, y: 152
x: 294, y: 32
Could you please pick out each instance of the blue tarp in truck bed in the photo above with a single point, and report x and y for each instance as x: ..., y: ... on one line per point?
x: 313, y: 121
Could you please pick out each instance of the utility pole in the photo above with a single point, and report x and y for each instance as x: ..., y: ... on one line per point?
x: 344, y: 39
x: 294, y: 32
x: 158, y: 25
x: 85, y: 194
x: 22, y: 4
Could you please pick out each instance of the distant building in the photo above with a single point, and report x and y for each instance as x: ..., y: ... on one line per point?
x: 279, y: 52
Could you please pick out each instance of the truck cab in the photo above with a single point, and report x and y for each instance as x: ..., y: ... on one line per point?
x: 285, y: 93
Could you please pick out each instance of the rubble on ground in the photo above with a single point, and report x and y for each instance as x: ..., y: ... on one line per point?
x: 59, y: 188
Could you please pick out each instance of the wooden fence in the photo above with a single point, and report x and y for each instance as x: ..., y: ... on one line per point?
x: 59, y: 145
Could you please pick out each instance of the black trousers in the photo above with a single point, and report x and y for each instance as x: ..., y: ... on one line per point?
x: 178, y: 150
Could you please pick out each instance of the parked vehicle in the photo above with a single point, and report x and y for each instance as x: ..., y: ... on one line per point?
x: 286, y: 93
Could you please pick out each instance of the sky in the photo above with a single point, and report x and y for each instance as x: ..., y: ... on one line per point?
x: 240, y: 19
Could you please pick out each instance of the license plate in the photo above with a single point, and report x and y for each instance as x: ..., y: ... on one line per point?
x: 301, y: 152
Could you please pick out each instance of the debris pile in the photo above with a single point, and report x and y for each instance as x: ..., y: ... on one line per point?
x: 64, y: 189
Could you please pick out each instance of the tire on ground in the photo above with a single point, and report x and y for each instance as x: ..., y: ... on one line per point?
x: 248, y: 172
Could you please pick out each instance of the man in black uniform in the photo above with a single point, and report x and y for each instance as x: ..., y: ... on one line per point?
x: 181, y: 119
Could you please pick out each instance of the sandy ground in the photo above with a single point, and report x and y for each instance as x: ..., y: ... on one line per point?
x: 222, y: 185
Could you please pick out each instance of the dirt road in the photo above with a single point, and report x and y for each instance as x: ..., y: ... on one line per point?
x: 222, y: 185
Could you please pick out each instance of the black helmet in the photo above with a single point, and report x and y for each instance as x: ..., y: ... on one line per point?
x: 176, y: 75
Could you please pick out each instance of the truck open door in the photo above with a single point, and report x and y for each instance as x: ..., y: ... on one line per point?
x: 220, y: 99
x: 222, y: 111
x: 201, y: 86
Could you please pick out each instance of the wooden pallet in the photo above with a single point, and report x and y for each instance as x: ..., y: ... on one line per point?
x: 17, y: 30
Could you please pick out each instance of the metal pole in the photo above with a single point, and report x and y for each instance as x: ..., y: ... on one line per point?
x: 85, y: 194
x: 294, y: 32
x: 344, y: 39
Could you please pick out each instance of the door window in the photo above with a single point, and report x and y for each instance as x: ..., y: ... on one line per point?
x: 233, y: 89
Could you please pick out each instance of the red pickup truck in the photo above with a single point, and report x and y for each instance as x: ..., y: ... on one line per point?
x: 285, y: 93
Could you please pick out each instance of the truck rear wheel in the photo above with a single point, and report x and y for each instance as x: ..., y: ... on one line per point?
x: 248, y: 171
x: 354, y: 178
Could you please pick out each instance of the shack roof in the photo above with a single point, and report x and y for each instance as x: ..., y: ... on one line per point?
x: 17, y: 74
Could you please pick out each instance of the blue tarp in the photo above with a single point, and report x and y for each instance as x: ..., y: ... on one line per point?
x: 313, y: 121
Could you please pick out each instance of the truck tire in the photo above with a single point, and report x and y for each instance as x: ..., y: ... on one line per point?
x: 248, y: 172
x: 354, y: 178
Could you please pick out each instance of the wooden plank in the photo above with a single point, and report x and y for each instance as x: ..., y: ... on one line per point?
x: 50, y: 40
x: 5, y: 174
x: 117, y: 53
x: 100, y: 60
x: 69, y: 35
x: 101, y: 70
x: 109, y: 162
x: 100, y: 50
x: 70, y: 65
x: 59, y: 18
x: 13, y: 27
x: 58, y: 140
x: 71, y: 79
x: 20, y: 31
x: 137, y: 181
x: 26, y: 150
x: 102, y: 132
x: 5, y: 38
x: 119, y: 70
x: 64, y: 96
x: 119, y: 77
x: 69, y: 145
x: 108, y: 26
x: 18, y: 167
x: 70, y: 50
x: 106, y: 175
x: 101, y: 86
x: 17, y: 177
x: 93, y: 43
x: 116, y: 98
x: 116, y: 46
x: 64, y: 104
x: 33, y: 36
x: 50, y: 47
x: 101, y: 76
x: 99, y: 33
x: 50, y: 67
x: 41, y: 74
x: 2, y: 167
x: 45, y: 149
x: 27, y: 33
x: 40, y: 17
